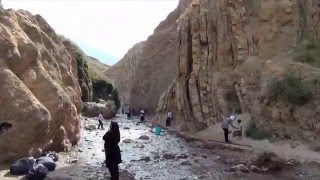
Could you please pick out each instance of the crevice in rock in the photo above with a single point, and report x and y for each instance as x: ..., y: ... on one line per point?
x: 4, y: 127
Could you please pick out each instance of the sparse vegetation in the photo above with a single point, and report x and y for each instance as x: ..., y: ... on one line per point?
x: 308, y: 52
x: 292, y: 88
x: 84, y: 78
x: 230, y: 95
x: 253, y: 132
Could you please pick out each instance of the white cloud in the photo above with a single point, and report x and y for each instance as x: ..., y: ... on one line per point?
x: 110, y: 26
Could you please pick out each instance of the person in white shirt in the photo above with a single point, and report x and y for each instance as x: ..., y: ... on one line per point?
x: 142, y: 115
x: 169, y: 118
x: 225, y: 126
x: 100, y: 118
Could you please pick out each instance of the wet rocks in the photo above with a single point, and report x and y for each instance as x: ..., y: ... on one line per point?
x: 127, y: 141
x: 144, y: 137
x: 168, y: 156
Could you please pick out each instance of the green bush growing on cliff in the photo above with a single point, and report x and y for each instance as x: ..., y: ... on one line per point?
x: 253, y: 132
x: 308, y: 51
x: 84, y: 77
x: 292, y: 88
x: 102, y: 89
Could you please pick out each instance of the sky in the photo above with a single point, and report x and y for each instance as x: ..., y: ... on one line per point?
x: 104, y: 29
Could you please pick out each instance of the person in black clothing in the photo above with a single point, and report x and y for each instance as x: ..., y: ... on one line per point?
x: 112, y: 150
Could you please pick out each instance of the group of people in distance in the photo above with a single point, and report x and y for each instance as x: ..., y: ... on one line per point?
x: 112, y: 138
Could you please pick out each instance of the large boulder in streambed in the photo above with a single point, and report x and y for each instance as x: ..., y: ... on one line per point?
x: 107, y: 109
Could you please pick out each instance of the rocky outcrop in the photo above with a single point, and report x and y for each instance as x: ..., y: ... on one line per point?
x: 228, y: 53
x: 39, y: 93
x: 152, y: 65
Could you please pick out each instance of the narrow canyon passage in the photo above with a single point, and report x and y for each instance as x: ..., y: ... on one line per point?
x: 147, y: 156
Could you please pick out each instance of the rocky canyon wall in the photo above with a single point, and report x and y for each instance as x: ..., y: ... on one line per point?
x: 149, y: 67
x: 40, y: 96
x: 229, y: 54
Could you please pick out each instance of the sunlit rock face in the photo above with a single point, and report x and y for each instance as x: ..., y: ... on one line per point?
x: 39, y: 93
x: 229, y: 51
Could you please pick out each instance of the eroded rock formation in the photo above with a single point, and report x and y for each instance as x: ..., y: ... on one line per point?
x: 39, y: 93
x: 228, y: 53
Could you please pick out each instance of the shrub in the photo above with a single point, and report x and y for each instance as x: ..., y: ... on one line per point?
x: 308, y: 52
x: 291, y: 87
x: 253, y: 132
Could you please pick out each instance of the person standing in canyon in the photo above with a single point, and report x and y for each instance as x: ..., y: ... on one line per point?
x: 100, y: 118
x: 142, y: 115
x: 112, y: 150
x: 169, y: 118
x: 225, y: 126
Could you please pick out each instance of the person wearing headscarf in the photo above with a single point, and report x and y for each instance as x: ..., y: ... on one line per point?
x: 112, y: 150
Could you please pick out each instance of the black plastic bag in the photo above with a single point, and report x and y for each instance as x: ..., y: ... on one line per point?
x: 22, y: 166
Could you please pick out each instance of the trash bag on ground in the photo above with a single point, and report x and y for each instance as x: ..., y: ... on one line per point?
x: 37, y: 172
x: 22, y: 166
x: 53, y: 155
x: 48, y: 162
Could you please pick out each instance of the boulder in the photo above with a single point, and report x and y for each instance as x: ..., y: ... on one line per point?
x: 40, y: 92
x: 92, y: 109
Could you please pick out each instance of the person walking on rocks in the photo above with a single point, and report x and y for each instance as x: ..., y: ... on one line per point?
x: 112, y: 150
x: 100, y: 118
x: 142, y: 115
x: 169, y: 118
x: 225, y: 126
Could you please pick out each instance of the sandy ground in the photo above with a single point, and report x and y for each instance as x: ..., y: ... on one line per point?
x: 167, y: 156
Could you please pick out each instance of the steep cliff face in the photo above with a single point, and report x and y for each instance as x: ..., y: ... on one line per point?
x: 231, y: 53
x: 153, y: 65
x: 40, y: 95
x: 123, y: 73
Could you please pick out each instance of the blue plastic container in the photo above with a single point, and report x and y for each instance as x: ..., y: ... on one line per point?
x: 158, y: 130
